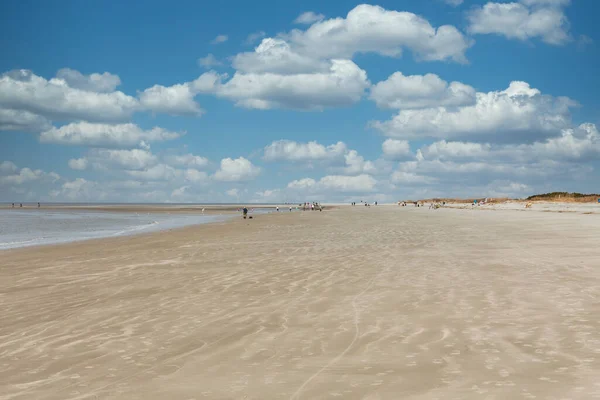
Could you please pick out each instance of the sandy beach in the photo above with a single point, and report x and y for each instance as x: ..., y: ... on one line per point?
x: 370, y: 303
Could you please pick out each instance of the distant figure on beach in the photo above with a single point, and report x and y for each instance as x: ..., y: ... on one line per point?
x: 38, y: 204
x: 277, y: 208
x: 290, y: 208
x: 21, y: 205
x: 245, y: 212
x: 13, y: 205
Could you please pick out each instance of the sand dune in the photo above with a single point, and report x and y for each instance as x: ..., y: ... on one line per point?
x: 352, y: 303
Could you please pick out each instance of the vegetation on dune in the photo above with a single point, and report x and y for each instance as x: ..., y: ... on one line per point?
x: 565, y: 196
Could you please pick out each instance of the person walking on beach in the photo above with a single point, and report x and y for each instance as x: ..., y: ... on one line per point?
x: 245, y: 212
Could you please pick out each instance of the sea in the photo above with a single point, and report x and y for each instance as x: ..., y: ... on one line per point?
x: 32, y: 227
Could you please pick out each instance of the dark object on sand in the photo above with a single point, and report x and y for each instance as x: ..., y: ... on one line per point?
x: 250, y: 217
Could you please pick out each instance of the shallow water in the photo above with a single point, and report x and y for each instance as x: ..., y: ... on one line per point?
x: 21, y: 228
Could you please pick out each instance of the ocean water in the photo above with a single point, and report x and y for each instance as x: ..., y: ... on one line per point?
x: 21, y: 228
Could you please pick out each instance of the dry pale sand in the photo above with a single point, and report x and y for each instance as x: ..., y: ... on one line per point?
x: 353, y: 303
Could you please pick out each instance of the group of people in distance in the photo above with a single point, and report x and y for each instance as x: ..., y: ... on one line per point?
x: 365, y: 203
x: 305, y: 206
x: 21, y: 205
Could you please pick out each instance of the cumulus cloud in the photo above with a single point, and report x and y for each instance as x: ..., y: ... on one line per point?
x: 19, y: 120
x: 342, y: 85
x: 410, y: 178
x: 574, y: 144
x: 373, y: 29
x: 233, y: 192
x: 544, y: 19
x: 287, y: 150
x: 54, y: 99
x: 308, y: 18
x: 236, y: 170
x: 335, y: 183
x: 78, y: 163
x: 7, y: 167
x: 119, y: 135
x: 219, y: 39
x: 174, y: 100
x: 335, y: 156
x: 103, y: 83
x: 395, y: 149
x: 421, y: 91
x: 80, y: 189
x: 277, y: 56
x: 500, y: 115
x: 209, y: 61
x: 12, y: 176
x: 187, y: 160
x: 356, y: 164
x: 473, y: 169
x: 126, y: 159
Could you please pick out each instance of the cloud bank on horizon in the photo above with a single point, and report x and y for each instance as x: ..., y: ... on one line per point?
x: 376, y: 102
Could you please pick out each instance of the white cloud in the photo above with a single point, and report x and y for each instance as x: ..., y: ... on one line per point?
x: 193, y: 175
x: 465, y: 168
x: 276, y: 56
x: 336, y: 156
x: 11, y: 175
x: 175, y: 100
x: 395, y: 149
x: 80, y: 189
x: 209, y: 61
x: 420, y: 91
x: 344, y: 84
x: 220, y: 39
x: 103, y: 83
x: 78, y: 163
x: 55, y: 99
x: 528, y: 19
x: 336, y: 183
x: 120, y: 135
x: 374, y: 29
x: 308, y: 18
x: 126, y: 159
x: 180, y: 192
x: 7, y: 167
x: 19, y: 120
x: 500, y: 115
x: 236, y: 170
x: 208, y: 82
x: 187, y: 160
x: 233, y: 192
x: 287, y: 150
x: 455, y: 150
x: 356, y: 164
x: 409, y: 178
x: 578, y: 144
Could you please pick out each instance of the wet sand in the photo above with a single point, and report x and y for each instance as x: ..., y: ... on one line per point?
x: 380, y: 302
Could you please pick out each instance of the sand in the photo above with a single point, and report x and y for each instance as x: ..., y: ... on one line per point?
x: 352, y: 303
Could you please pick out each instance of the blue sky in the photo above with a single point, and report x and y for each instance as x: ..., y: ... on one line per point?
x: 266, y: 101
